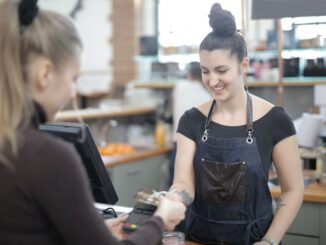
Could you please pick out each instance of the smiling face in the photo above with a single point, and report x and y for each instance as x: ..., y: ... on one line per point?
x: 222, y: 74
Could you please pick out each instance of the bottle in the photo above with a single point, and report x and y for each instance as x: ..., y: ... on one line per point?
x: 319, y: 167
x: 159, y: 133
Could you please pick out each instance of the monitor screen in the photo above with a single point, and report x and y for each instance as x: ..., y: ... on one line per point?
x: 80, y: 135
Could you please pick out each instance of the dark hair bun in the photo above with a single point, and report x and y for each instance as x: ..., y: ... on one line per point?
x: 222, y: 21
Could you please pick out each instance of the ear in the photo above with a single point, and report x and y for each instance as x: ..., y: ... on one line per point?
x: 44, y: 73
x: 245, y: 65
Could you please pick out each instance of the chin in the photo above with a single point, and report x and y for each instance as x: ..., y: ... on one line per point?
x: 221, y: 96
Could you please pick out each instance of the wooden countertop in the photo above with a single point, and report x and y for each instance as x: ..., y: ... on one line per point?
x: 73, y: 115
x: 155, y: 85
x: 112, y: 161
x: 315, y: 192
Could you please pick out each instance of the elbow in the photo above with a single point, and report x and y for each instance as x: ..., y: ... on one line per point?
x: 296, y: 193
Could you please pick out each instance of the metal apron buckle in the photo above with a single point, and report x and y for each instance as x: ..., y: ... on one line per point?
x: 205, y: 135
x: 249, y: 138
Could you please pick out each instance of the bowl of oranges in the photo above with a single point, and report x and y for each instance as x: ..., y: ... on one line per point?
x: 113, y: 149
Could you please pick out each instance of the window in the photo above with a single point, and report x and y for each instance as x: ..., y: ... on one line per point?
x: 185, y: 22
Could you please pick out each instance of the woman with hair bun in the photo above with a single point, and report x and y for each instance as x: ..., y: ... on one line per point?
x: 225, y: 149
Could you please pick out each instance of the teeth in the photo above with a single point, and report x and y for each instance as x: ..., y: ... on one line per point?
x: 219, y: 87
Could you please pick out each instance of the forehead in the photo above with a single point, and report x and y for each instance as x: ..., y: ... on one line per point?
x: 217, y: 57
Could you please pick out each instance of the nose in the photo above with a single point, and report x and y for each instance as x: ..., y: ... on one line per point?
x: 213, y: 80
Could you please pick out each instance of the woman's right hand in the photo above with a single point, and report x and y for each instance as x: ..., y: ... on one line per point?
x: 171, y: 211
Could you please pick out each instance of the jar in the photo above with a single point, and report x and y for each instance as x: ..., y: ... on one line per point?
x: 173, y: 238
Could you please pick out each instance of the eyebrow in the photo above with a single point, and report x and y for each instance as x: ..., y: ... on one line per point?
x: 217, y: 67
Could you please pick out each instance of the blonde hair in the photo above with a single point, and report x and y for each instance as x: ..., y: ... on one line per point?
x: 50, y: 35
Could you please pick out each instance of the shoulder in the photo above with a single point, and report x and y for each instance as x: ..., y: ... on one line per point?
x: 46, y: 142
x: 261, y: 107
x: 191, y: 123
x: 204, y: 108
x: 45, y: 159
x: 48, y: 148
x: 277, y: 123
x: 268, y: 112
x: 195, y: 113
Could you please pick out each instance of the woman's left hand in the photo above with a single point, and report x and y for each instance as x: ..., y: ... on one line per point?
x: 115, y: 226
x: 262, y: 243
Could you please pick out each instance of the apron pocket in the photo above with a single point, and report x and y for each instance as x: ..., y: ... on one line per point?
x: 223, y: 182
x: 208, y: 232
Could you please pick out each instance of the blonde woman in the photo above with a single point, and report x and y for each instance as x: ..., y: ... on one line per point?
x: 44, y: 193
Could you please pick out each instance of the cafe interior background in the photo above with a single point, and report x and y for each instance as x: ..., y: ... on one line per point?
x: 134, y: 53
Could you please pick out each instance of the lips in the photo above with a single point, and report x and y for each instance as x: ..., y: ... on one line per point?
x: 219, y: 87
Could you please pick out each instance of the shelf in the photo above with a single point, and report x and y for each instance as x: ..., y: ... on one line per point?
x: 72, y: 115
x: 290, y: 82
x: 112, y: 161
x: 288, y: 53
x: 94, y: 95
x: 287, y: 82
x: 155, y: 85
x: 179, y: 58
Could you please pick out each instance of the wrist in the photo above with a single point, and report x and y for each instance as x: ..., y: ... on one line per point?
x: 182, y: 196
x: 269, y: 240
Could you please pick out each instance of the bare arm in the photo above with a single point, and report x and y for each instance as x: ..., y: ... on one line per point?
x: 183, y: 182
x: 287, y: 162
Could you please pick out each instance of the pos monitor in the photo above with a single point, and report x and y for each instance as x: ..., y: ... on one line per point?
x: 80, y: 135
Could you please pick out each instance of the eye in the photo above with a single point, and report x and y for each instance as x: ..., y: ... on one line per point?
x: 222, y: 71
x: 204, y: 71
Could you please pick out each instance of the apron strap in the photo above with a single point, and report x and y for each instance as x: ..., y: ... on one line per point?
x: 249, y: 126
x: 208, y: 120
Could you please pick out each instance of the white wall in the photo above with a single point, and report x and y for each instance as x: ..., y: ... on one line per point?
x: 93, y: 24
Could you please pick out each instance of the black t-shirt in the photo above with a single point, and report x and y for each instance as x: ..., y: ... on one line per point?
x: 270, y: 129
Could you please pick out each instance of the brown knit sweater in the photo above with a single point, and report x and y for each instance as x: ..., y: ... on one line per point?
x: 46, y: 199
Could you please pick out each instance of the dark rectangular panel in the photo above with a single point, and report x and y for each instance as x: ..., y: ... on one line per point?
x: 274, y: 9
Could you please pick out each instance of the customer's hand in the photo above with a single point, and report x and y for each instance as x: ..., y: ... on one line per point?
x: 115, y: 225
x: 261, y: 243
x: 171, y: 211
x: 173, y: 196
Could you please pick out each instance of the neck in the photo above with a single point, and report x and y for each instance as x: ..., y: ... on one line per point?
x: 236, y: 103
x: 232, y: 111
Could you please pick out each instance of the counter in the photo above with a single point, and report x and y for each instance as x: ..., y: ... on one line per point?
x: 86, y: 114
x: 139, y: 154
x: 314, y: 192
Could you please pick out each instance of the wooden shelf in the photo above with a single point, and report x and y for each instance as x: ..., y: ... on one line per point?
x: 112, y: 161
x: 288, y: 82
x: 72, y: 115
x: 94, y: 95
x: 155, y: 85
